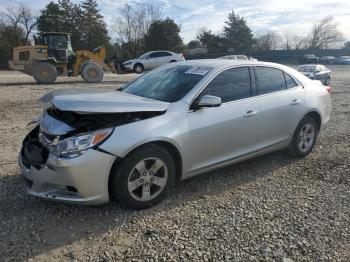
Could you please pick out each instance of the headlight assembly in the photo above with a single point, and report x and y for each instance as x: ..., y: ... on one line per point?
x: 77, y: 145
x: 127, y: 63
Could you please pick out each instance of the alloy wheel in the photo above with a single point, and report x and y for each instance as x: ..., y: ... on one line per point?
x: 147, y: 179
x: 306, y: 137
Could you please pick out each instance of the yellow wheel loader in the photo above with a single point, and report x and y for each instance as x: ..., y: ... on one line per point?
x: 53, y: 56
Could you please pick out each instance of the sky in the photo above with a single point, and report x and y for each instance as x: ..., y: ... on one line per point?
x: 296, y: 16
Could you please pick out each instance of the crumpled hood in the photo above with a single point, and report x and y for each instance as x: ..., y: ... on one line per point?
x: 100, y: 101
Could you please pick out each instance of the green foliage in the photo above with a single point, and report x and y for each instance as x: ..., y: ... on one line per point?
x: 93, y: 28
x: 164, y: 35
x: 213, y: 43
x: 238, y: 35
x: 194, y: 44
x: 84, y: 22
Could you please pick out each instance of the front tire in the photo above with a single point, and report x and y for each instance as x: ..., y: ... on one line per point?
x: 138, y: 68
x: 304, y: 137
x: 92, y: 73
x: 143, y: 178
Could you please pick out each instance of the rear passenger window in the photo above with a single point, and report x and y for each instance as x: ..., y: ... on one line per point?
x: 164, y: 54
x: 290, y: 81
x: 270, y: 80
x: 230, y: 85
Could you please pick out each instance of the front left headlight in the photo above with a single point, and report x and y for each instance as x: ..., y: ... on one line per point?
x: 127, y: 63
x: 76, y: 145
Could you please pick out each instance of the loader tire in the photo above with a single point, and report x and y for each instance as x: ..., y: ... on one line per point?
x: 44, y: 73
x: 92, y: 73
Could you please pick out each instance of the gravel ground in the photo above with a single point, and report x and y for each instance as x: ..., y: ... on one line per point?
x: 272, y: 208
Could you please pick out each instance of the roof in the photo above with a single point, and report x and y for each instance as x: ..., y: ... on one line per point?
x: 218, y: 63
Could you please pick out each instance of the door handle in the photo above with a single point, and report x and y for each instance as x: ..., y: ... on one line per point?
x: 295, y: 102
x: 250, y: 113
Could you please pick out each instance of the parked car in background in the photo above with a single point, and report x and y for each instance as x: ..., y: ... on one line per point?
x: 151, y: 60
x: 327, y: 59
x: 316, y: 72
x: 179, y: 120
x: 235, y: 57
x: 343, y: 60
x: 309, y: 59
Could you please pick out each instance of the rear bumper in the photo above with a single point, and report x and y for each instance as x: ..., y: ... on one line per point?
x: 81, y: 180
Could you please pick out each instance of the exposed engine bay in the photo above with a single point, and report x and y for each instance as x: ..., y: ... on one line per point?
x: 88, y: 122
x: 64, y: 124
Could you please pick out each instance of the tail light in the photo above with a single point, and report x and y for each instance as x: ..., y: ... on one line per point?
x: 329, y: 88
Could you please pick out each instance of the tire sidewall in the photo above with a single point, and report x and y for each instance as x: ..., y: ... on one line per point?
x: 50, y: 67
x: 294, y: 147
x: 119, y: 177
x: 85, y: 76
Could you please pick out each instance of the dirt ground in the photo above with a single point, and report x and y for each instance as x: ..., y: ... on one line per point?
x: 272, y: 208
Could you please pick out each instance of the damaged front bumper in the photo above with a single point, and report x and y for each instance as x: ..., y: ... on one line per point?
x: 82, y: 179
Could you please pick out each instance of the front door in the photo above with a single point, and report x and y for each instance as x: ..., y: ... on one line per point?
x: 220, y: 134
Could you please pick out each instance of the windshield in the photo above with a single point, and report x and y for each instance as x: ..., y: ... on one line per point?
x: 308, y: 69
x: 169, y: 85
x: 144, y: 56
x: 56, y: 41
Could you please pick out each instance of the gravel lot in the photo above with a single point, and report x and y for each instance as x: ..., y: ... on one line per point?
x: 272, y: 208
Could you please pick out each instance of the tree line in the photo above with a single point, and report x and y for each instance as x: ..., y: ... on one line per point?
x: 141, y: 28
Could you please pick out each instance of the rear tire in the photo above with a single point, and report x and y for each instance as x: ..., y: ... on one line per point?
x: 304, y: 137
x: 44, y: 73
x: 143, y: 178
x: 92, y: 73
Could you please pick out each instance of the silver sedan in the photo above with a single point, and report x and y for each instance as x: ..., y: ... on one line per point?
x: 180, y: 120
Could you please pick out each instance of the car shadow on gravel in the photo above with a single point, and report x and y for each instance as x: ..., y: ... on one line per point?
x: 39, y: 226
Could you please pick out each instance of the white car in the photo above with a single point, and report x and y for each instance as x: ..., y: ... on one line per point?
x: 151, y: 60
x: 235, y: 57
x: 177, y: 121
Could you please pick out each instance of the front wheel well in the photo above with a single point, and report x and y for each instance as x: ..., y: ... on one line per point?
x: 316, y: 116
x: 138, y: 63
x: 174, y: 152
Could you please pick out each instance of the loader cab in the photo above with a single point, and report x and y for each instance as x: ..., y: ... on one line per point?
x: 59, y: 47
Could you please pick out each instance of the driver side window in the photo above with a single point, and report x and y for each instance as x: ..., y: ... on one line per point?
x: 230, y: 85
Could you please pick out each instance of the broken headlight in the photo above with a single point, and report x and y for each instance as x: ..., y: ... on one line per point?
x: 76, y: 145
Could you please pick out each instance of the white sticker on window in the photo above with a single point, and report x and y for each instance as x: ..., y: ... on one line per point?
x: 196, y: 71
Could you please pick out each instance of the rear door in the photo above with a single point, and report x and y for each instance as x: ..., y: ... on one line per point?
x: 219, y: 134
x: 166, y: 57
x: 280, y: 103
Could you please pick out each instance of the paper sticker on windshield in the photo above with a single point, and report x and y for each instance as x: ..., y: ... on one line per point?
x: 197, y: 71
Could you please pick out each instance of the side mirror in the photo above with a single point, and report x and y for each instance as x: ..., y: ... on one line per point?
x: 148, y: 57
x: 317, y: 71
x: 208, y: 101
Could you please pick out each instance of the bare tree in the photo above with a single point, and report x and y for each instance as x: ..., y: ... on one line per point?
x: 269, y: 41
x: 133, y: 24
x: 325, y: 34
x: 16, y: 24
x: 292, y: 41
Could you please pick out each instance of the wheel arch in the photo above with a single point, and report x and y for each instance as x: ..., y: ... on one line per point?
x: 317, y: 117
x: 170, y: 147
x: 139, y: 63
